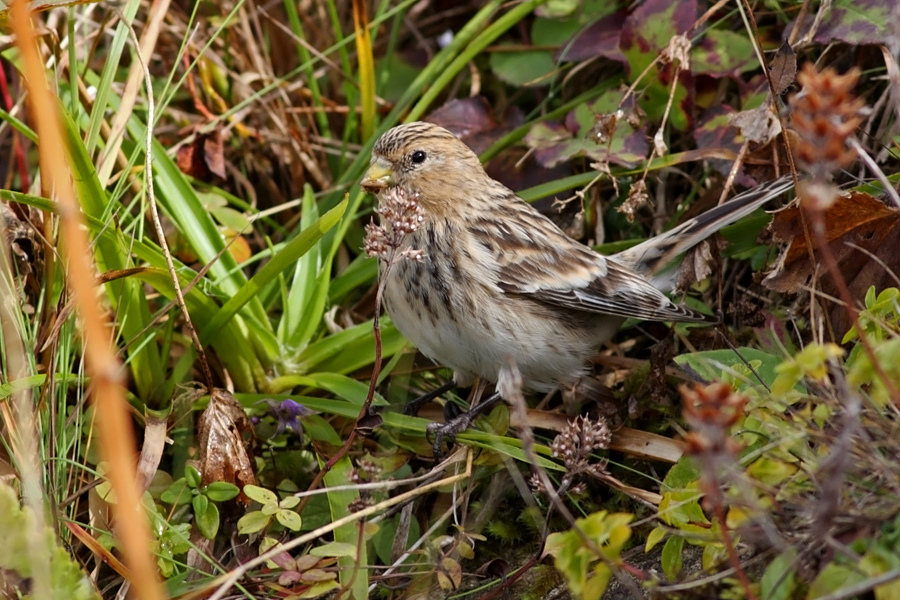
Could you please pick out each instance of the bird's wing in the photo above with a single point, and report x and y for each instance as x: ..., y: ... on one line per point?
x: 534, y: 258
x: 623, y: 293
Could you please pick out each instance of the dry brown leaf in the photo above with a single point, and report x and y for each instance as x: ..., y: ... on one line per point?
x: 759, y: 125
x: 696, y: 266
x: 225, y: 431
x: 783, y: 68
x: 204, y: 157
x: 863, y: 235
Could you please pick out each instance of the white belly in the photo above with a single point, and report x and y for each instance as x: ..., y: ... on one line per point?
x: 482, y: 332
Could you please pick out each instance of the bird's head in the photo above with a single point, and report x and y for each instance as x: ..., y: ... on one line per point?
x: 428, y: 159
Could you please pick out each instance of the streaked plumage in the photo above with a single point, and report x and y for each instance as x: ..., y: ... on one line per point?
x: 501, y: 283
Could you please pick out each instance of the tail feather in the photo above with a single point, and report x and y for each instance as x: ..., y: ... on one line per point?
x: 654, y: 255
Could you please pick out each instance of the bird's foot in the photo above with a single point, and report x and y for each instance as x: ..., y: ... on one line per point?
x: 447, y: 430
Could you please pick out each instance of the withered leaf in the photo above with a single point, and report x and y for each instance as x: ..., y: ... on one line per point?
x: 24, y: 243
x: 204, y: 157
x: 783, y: 68
x: 863, y: 235
x: 225, y: 432
x: 696, y: 266
x: 759, y: 125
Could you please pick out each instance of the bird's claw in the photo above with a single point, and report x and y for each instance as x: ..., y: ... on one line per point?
x: 447, y: 431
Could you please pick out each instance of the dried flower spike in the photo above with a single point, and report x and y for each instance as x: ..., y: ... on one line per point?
x: 825, y: 114
x: 400, y: 215
x: 711, y: 411
x: 575, y: 444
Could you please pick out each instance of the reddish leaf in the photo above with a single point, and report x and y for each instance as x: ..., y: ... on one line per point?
x: 465, y: 117
x: 555, y: 143
x: 204, y: 157
x: 716, y: 130
x: 723, y: 53
x: 863, y: 235
x: 646, y: 32
x: 473, y: 120
x: 599, y: 39
x: 859, y: 22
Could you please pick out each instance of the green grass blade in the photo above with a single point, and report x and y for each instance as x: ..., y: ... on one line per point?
x: 292, y: 251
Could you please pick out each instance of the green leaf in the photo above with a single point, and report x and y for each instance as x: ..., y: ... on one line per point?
x: 587, y: 574
x: 178, y: 493
x: 771, y: 471
x: 523, y: 67
x: 207, y: 520
x: 557, y: 8
x: 28, y: 549
x: 350, y: 349
x: 220, y: 491
x: 351, y: 559
x: 339, y: 385
x: 192, y: 476
x: 261, y: 495
x: 722, y: 53
x: 112, y: 252
x: 655, y: 537
x: 18, y: 385
x: 671, y: 557
x: 833, y: 578
x: 335, y: 549
x: 305, y: 301
x: 554, y: 32
x: 289, y: 519
x: 319, y: 589
x: 779, y: 581
x: 713, y: 365
x: 682, y: 474
x: 179, y: 199
x: 385, y: 538
x: 289, y: 502
x: 252, y: 522
x: 200, y: 504
x: 232, y: 219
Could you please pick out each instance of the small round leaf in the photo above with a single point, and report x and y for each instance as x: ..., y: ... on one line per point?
x: 252, y: 522
x: 289, y: 519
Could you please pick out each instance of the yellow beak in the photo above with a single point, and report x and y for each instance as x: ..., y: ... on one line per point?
x: 379, y: 176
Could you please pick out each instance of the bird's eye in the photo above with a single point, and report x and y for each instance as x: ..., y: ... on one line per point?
x: 419, y: 156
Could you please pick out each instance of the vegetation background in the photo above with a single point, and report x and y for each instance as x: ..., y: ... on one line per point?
x: 194, y: 378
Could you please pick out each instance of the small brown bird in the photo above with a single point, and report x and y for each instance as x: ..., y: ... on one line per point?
x: 499, y: 284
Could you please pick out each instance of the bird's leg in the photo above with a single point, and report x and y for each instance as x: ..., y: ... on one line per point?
x: 413, y: 406
x: 458, y: 424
